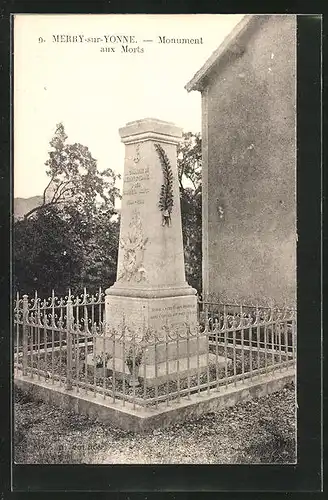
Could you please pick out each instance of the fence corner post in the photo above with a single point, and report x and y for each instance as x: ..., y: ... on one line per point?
x: 25, y: 336
x: 69, y: 327
x: 206, y: 313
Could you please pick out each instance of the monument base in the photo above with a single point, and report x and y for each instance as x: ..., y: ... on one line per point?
x: 157, y: 362
x: 164, y: 371
x: 154, y: 313
x: 160, y: 331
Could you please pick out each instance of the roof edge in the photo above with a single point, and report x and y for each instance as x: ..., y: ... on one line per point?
x: 196, y: 82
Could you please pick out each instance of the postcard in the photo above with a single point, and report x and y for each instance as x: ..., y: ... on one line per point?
x: 154, y: 256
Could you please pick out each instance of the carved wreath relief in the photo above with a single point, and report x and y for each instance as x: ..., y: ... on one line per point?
x: 133, y: 246
x: 166, y: 195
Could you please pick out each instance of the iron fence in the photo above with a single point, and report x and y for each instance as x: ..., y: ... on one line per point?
x: 66, y: 342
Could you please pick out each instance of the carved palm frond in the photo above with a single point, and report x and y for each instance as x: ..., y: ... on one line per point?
x: 166, y: 194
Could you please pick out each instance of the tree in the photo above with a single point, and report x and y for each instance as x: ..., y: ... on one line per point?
x: 71, y: 239
x: 74, y: 179
x: 190, y: 161
x: 52, y: 250
x: 48, y: 253
x: 189, y: 175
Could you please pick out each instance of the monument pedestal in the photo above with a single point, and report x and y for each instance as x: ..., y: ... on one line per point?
x: 151, y: 313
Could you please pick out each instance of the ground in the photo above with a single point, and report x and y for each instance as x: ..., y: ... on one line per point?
x: 259, y: 431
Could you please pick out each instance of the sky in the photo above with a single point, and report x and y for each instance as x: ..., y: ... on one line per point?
x: 94, y: 93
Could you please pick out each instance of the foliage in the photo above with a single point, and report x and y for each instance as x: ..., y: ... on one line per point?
x: 135, y: 353
x: 190, y: 160
x: 74, y: 178
x: 136, y: 349
x: 61, y: 251
x: 101, y: 359
x: 47, y: 251
x: 71, y: 240
x: 189, y: 175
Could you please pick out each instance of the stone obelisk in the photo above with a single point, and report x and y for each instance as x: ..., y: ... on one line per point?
x: 151, y: 288
x: 151, y: 292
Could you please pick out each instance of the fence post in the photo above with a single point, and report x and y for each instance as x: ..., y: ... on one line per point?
x: 198, y: 307
x: 69, y: 328
x: 25, y: 329
x: 206, y: 311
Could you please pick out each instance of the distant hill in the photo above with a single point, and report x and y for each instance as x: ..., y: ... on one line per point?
x: 24, y: 205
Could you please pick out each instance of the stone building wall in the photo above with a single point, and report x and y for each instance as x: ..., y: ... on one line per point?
x: 249, y: 141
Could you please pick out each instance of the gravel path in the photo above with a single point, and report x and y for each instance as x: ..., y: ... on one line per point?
x: 259, y: 431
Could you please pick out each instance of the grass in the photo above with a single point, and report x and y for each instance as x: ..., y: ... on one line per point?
x: 259, y: 431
